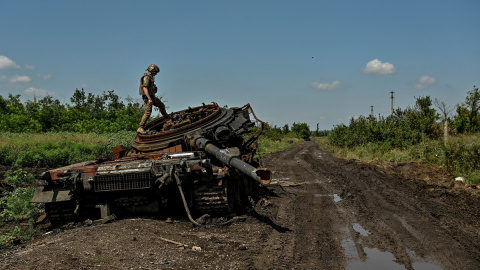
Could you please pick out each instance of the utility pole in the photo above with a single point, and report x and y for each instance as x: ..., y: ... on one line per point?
x: 371, y: 111
x: 391, y: 97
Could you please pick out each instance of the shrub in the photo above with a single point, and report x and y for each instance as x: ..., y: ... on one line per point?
x: 19, y: 178
x: 9, y: 237
x: 16, y: 205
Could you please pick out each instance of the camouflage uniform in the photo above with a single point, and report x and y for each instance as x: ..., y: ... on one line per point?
x: 148, y: 81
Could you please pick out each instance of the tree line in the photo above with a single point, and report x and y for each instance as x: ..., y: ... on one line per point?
x: 89, y: 113
x: 411, y: 126
x: 86, y: 113
x: 296, y: 130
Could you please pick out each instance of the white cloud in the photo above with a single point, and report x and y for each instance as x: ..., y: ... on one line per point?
x: 7, y: 63
x: 20, y: 79
x: 15, y: 79
x: 37, y: 92
x: 29, y: 67
x: 377, y: 67
x: 425, y: 81
x: 326, y: 86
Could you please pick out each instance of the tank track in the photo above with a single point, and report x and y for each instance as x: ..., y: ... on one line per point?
x: 60, y: 212
x: 211, y: 199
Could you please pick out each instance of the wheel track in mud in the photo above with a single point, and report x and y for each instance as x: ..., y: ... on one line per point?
x: 402, y: 217
x: 314, y: 240
x: 405, y: 217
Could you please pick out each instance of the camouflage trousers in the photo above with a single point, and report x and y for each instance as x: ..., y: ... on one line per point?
x: 148, y: 109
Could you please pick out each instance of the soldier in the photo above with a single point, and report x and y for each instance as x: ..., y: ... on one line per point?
x: 147, y: 90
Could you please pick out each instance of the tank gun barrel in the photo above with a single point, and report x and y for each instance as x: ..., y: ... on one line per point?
x: 261, y: 175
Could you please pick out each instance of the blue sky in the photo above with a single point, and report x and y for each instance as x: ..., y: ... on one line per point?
x: 293, y: 61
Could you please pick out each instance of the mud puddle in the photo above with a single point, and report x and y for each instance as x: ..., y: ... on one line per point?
x: 361, y: 257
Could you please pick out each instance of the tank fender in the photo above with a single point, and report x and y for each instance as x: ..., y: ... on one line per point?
x: 47, y: 196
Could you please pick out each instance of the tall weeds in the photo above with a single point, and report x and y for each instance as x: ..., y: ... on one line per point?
x: 460, y: 157
x: 58, y: 149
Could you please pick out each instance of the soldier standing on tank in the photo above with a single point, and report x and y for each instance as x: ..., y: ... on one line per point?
x: 147, y: 90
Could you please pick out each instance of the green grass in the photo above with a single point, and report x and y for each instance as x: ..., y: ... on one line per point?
x: 63, y: 148
x: 15, y: 234
x: 267, y: 145
x: 460, y: 157
x: 58, y: 149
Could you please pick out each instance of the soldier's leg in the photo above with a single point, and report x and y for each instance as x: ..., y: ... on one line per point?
x: 161, y: 106
x: 146, y: 115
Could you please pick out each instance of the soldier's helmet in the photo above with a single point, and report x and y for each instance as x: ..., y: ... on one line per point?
x: 153, y: 69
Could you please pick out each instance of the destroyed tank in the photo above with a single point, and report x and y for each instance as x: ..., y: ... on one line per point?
x: 193, y: 162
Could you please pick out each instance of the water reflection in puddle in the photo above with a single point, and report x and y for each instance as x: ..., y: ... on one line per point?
x: 358, y: 228
x: 376, y: 259
x: 336, y: 197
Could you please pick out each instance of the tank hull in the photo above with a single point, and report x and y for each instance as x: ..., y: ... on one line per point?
x: 193, y: 162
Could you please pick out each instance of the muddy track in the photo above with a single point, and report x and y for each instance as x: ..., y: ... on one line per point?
x: 326, y: 214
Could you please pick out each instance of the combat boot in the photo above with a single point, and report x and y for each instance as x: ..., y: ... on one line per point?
x: 164, y: 112
x: 142, y: 123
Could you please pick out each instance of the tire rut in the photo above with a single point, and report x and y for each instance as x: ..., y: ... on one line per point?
x: 397, y: 216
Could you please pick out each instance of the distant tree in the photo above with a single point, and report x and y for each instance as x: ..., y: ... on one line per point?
x: 317, y: 131
x: 114, y: 101
x: 445, y: 111
x: 302, y: 130
x: 79, y: 99
x: 3, y: 104
x: 135, y: 104
x: 276, y: 129
x: 50, y: 113
x: 467, y: 118
x: 14, y: 105
x: 426, y: 116
x: 32, y: 107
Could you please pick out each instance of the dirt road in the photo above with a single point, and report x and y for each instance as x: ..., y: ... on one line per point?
x: 327, y: 214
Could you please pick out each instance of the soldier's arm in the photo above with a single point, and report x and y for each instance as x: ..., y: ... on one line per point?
x: 145, y: 84
x: 145, y: 91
